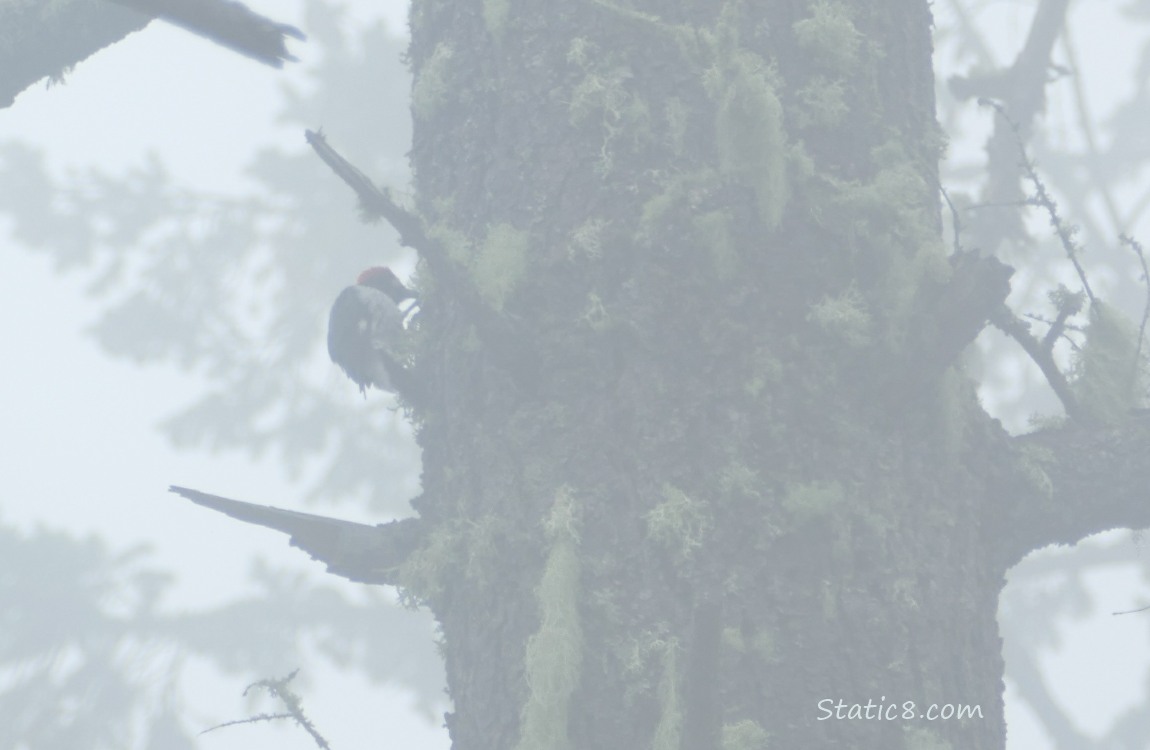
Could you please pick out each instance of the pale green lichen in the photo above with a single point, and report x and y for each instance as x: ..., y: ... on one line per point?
x: 495, y: 15
x: 762, y: 645
x: 670, y: 727
x: 1032, y: 461
x: 432, y: 83
x: 501, y: 263
x: 845, y: 316
x: 601, y: 93
x: 766, y: 371
x: 714, y: 231
x: 737, y: 480
x: 1107, y: 378
x: 677, y: 115
x: 456, y: 244
x: 765, y: 646
x: 821, y: 103
x: 745, y: 735
x: 829, y: 36
x: 604, y: 97
x: 587, y: 240
x: 886, y: 219
x: 732, y: 638
x: 553, y: 661
x: 817, y: 499
x: 659, y: 209
x: 679, y: 523
x: 830, y: 602
x: 471, y: 548
x: 423, y: 573
x: 920, y: 738
x: 749, y: 130
x: 595, y: 314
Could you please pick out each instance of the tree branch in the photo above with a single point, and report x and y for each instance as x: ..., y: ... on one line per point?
x: 1069, y: 483
x: 1022, y: 87
x: 356, y: 551
x: 502, y: 335
x: 955, y: 313
x: 36, y: 44
x: 227, y: 23
x: 39, y: 41
x: 1012, y: 326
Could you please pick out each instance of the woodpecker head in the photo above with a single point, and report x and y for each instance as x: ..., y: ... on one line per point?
x: 383, y: 279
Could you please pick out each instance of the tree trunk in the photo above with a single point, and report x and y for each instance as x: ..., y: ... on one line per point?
x: 745, y: 482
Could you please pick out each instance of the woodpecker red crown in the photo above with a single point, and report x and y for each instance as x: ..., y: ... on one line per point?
x: 385, y: 280
x: 375, y: 274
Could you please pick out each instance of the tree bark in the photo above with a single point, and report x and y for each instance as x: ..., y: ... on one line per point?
x: 730, y: 221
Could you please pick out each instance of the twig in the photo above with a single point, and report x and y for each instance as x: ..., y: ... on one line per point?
x: 1068, y: 304
x: 999, y: 204
x: 953, y: 218
x: 974, y: 39
x: 254, y: 719
x: 1086, y: 126
x: 1022, y: 86
x: 1062, y: 334
x: 377, y: 203
x: 1042, y: 198
x: 1132, y: 611
x: 293, y: 704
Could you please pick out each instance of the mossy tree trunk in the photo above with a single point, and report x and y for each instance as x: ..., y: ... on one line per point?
x: 744, y: 478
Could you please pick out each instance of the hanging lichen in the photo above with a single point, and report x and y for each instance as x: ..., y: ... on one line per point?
x: 495, y: 15
x: 844, y: 316
x: 606, y: 98
x: 744, y: 735
x: 669, y: 730
x: 918, y: 738
x: 501, y: 263
x: 749, y: 130
x: 821, y: 103
x: 1107, y: 379
x: 586, y: 241
x: 554, y: 656
x: 679, y: 523
x: 432, y: 83
x: 830, y: 36
x: 425, y: 570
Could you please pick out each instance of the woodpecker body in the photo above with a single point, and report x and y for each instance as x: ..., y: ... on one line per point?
x: 365, y: 331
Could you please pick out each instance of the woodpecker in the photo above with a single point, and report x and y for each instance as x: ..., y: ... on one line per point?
x: 365, y: 331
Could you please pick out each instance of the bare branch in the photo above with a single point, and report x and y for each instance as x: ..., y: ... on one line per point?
x: 356, y: 551
x: 376, y: 203
x: 1023, y: 88
x: 293, y: 704
x: 1086, y: 121
x: 1042, y: 198
x: 227, y: 23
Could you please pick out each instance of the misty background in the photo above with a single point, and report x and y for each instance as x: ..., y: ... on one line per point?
x: 165, y: 166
